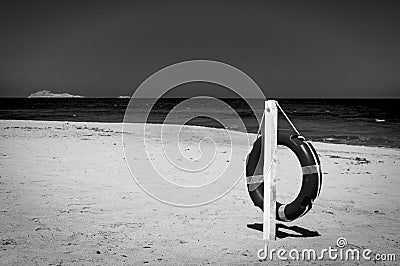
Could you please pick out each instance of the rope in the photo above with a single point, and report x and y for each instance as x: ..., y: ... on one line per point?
x: 287, y: 118
x: 259, y: 133
x: 259, y: 127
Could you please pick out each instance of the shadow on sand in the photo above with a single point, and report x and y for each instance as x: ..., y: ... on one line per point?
x: 299, y: 231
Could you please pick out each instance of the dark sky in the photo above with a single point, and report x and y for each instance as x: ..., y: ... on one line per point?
x: 290, y: 48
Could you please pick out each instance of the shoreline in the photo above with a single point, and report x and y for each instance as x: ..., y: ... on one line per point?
x: 194, y: 126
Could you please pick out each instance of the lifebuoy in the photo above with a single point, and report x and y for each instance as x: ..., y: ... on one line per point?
x: 312, y: 176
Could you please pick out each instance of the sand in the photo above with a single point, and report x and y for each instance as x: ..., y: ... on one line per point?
x: 67, y: 197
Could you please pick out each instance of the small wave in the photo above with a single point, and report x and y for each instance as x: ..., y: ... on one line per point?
x: 340, y: 138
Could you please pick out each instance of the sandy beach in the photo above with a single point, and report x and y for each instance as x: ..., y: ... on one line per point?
x: 67, y: 197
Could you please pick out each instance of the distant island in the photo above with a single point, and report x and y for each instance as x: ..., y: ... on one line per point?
x: 49, y: 94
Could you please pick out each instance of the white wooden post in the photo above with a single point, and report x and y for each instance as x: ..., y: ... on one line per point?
x: 270, y: 146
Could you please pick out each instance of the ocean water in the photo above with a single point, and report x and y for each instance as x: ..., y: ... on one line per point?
x: 367, y: 122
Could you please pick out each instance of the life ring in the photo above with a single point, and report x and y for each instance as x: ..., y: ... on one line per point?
x: 312, y: 176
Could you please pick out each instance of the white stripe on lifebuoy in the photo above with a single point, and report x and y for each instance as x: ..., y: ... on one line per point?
x: 310, y: 169
x: 319, y: 170
x: 281, y: 213
x: 254, y: 179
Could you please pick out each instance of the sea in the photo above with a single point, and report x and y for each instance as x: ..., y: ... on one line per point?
x: 365, y: 122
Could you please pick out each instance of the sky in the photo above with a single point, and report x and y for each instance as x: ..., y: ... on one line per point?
x: 292, y: 49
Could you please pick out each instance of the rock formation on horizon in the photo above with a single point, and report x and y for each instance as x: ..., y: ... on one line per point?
x: 49, y: 94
